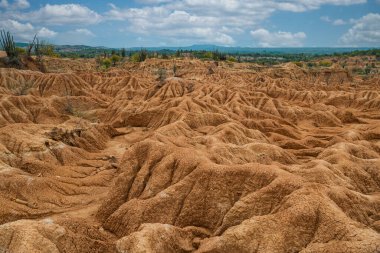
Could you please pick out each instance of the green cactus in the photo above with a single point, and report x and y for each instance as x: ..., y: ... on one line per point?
x: 8, y: 44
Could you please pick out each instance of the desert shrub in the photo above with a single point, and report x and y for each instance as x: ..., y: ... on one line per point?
x: 325, y: 63
x: 135, y: 57
x: 358, y: 71
x: 231, y: 59
x: 106, y: 63
x: 20, y: 50
x: 114, y: 59
x: 367, y: 70
x: 24, y: 88
x: 174, y: 70
x: 311, y: 64
x: 208, y: 55
x: 161, y: 72
x: 139, y: 56
x: 299, y: 64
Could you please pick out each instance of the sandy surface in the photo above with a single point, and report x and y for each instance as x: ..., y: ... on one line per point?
x: 227, y: 158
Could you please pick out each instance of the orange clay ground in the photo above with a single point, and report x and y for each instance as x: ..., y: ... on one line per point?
x: 222, y: 157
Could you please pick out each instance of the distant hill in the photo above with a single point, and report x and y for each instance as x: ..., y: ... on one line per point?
x: 298, y: 50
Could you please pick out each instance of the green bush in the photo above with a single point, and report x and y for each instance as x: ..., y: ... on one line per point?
x: 106, y: 63
x: 208, y: 55
x: 115, y: 58
x: 325, y: 63
x: 135, y: 57
x: 21, y: 50
x: 231, y: 59
x: 139, y: 56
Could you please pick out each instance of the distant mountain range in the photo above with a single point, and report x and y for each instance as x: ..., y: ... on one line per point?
x: 297, y: 50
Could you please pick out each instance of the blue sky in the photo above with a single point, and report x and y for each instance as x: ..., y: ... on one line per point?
x: 142, y: 23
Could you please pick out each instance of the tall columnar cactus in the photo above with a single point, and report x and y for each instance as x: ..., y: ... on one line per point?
x: 8, y: 44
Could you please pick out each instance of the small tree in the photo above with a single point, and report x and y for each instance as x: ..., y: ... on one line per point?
x: 161, y: 76
x: 123, y: 52
x: 143, y: 55
x: 367, y: 70
x: 231, y: 59
x: 178, y: 54
x: 139, y: 56
x: 135, y: 57
x: 175, y: 69
x: 30, y: 46
x: 115, y: 58
x: 106, y: 63
x: 38, y: 49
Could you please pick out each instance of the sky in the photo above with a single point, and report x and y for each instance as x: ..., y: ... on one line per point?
x: 150, y: 23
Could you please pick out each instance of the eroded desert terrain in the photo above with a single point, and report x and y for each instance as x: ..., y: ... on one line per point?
x: 219, y: 158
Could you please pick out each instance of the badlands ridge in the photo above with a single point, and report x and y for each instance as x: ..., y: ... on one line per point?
x: 219, y: 158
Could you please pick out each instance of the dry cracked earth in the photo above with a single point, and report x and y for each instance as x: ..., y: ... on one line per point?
x: 216, y: 159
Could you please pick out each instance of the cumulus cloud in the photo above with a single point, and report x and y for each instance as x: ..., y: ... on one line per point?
x: 278, y: 39
x: 365, y: 32
x: 176, y: 25
x: 21, y: 4
x: 60, y: 14
x: 17, y: 4
x: 4, y: 4
x: 338, y: 21
x: 76, y: 37
x: 25, y: 31
x: 84, y: 32
x: 214, y: 21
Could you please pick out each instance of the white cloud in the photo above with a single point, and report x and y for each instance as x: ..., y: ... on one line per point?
x: 80, y: 36
x: 214, y: 21
x: 179, y: 26
x: 365, y: 32
x: 17, y: 4
x: 4, y: 4
x: 25, y: 31
x: 84, y: 32
x: 278, y: 39
x: 46, y: 33
x: 326, y: 19
x: 338, y: 21
x: 60, y: 14
x: 21, y: 4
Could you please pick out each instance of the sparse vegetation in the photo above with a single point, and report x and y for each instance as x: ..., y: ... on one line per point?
x: 161, y: 72
x: 139, y: 56
x: 8, y: 44
x: 106, y: 63
x: 114, y: 59
x: 231, y: 59
x: 325, y: 64
x: 24, y: 88
x: 174, y: 70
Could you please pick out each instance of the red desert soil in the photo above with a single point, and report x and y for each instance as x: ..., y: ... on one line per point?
x: 217, y: 159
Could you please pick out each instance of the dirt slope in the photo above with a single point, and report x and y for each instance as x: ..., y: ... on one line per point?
x: 218, y: 158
